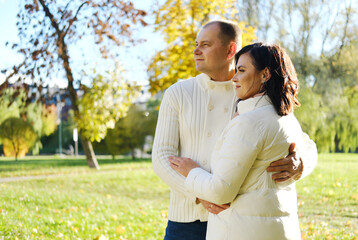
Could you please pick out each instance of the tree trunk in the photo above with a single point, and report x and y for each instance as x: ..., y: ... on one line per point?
x: 91, y: 158
x: 63, y: 54
x: 132, y: 153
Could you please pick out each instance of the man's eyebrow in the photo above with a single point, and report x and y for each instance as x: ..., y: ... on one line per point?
x: 241, y: 66
x: 204, y: 41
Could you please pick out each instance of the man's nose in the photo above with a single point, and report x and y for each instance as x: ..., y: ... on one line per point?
x: 196, y: 51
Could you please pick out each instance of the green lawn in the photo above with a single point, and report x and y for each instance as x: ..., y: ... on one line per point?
x: 125, y: 200
x: 328, y: 198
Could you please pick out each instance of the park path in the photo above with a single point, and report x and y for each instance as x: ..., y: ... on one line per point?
x: 25, y: 178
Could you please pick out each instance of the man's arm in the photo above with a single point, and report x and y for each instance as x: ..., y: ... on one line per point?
x: 166, y: 143
x: 295, y: 165
x: 308, y: 156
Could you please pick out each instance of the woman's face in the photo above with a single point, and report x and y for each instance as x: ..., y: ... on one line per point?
x: 247, y: 79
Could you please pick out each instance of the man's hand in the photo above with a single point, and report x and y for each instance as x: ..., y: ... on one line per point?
x: 182, y: 165
x: 288, y: 167
x: 213, y: 208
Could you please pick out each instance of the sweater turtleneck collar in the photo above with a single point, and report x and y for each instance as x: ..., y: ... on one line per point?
x: 207, y: 83
x: 250, y: 104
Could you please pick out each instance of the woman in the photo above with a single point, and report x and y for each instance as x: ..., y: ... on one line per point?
x: 267, y: 85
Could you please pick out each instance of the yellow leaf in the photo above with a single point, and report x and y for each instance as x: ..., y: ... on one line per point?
x: 101, y: 237
x: 120, y: 229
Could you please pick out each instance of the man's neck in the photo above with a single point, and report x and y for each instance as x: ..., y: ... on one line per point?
x: 226, y: 74
x: 223, y: 76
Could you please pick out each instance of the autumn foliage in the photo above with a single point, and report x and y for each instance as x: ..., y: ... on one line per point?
x: 179, y: 22
x: 47, y: 29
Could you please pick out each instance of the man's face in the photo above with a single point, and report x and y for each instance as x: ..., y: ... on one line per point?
x: 211, y: 56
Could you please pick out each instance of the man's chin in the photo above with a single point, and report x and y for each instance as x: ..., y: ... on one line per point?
x: 199, y: 68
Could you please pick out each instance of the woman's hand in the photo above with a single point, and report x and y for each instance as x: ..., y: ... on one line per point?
x: 182, y: 165
x: 213, y: 208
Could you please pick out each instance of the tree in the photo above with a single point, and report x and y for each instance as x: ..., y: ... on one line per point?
x: 49, y: 28
x: 105, y: 102
x: 130, y: 132
x: 179, y: 22
x: 49, y: 119
x: 18, y: 137
x: 14, y: 103
x: 320, y: 37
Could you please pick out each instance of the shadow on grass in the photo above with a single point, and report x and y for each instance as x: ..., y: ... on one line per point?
x: 43, y: 163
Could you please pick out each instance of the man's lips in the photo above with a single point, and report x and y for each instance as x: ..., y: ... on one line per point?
x: 199, y: 59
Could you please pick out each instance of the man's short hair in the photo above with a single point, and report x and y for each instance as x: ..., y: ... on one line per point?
x: 229, y: 31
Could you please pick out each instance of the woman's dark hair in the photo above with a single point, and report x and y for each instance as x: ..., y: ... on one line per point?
x: 282, y: 87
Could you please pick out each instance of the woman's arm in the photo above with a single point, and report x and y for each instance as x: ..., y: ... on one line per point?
x: 238, y: 152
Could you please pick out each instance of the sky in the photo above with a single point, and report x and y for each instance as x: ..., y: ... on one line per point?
x: 134, y: 60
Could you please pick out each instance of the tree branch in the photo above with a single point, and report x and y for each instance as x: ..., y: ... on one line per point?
x: 348, y: 15
x: 64, y: 10
x: 50, y: 16
x: 16, y: 70
x: 74, y: 18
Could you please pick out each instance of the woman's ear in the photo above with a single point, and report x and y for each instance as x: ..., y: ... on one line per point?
x: 265, y: 75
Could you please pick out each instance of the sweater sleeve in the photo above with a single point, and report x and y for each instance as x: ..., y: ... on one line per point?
x: 308, y: 155
x: 237, y: 154
x: 166, y: 143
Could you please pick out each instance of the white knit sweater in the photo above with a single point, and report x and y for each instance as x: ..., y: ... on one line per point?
x: 192, y: 115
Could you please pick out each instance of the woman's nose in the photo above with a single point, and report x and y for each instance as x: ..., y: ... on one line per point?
x: 234, y: 78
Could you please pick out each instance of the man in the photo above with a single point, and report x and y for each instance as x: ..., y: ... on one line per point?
x: 192, y: 115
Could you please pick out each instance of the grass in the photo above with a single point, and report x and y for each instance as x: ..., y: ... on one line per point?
x: 328, y: 198
x: 125, y: 200
x: 49, y: 165
x: 127, y: 203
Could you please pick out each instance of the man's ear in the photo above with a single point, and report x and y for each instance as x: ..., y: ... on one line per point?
x: 266, y: 75
x: 232, y: 50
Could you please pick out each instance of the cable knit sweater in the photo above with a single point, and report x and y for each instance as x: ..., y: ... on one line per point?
x: 192, y: 115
